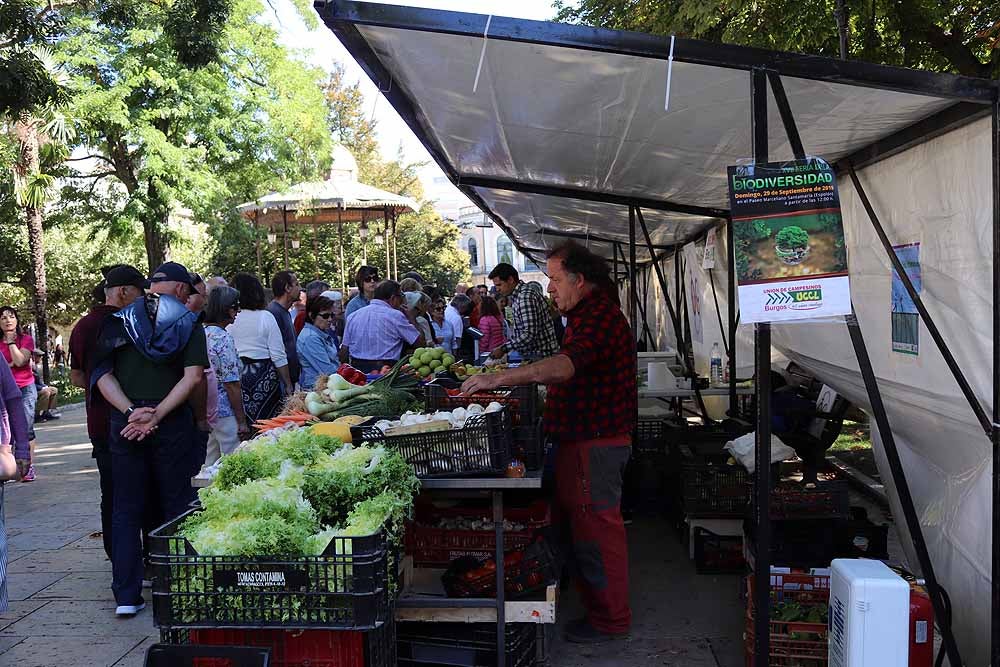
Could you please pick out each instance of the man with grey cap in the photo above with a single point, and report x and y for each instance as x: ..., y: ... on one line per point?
x: 151, y: 356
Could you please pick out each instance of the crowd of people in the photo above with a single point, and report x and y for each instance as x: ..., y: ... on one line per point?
x: 177, y: 368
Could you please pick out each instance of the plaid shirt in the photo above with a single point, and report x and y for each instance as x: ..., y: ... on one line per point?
x: 601, y: 399
x: 533, y: 335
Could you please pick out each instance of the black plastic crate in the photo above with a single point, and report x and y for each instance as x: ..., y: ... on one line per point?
x: 858, y: 537
x: 798, y: 543
x: 711, y: 487
x: 651, y: 437
x: 345, y: 588
x: 718, y: 554
x: 521, y: 402
x: 825, y: 500
x: 534, y: 570
x: 481, y: 447
x: 464, y: 644
x: 705, y: 440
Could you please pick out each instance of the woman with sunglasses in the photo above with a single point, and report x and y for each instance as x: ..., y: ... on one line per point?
x: 230, y: 425
x: 444, y: 335
x: 366, y: 280
x: 317, y: 348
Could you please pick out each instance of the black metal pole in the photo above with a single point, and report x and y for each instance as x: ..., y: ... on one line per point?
x: 663, y: 283
x: 984, y: 420
x: 500, y: 579
x: 642, y: 307
x: 995, y: 432
x: 633, y: 315
x: 762, y: 469
x: 787, y: 119
x: 731, y: 312
x: 902, y: 487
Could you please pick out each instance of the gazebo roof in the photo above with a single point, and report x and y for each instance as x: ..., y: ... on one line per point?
x: 339, y: 198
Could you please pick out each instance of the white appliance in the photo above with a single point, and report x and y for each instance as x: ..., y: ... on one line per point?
x: 869, y: 615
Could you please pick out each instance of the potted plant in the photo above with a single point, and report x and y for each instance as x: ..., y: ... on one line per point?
x: 791, y: 244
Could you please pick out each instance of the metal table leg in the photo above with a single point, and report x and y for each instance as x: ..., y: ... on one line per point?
x: 501, y: 618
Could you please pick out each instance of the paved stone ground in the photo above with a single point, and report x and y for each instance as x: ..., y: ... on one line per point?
x: 62, y: 610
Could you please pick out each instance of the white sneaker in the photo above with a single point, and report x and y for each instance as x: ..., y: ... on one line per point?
x: 129, y: 610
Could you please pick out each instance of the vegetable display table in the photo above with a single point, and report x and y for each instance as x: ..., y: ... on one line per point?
x: 420, y: 600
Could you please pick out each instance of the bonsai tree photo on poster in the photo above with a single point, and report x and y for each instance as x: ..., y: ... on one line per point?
x: 790, y: 254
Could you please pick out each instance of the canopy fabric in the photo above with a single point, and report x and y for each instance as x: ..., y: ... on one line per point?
x: 554, y: 113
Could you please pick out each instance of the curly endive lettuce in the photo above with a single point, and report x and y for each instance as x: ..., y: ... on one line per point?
x: 265, y: 457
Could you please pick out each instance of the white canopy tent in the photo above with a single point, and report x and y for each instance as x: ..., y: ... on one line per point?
x: 563, y: 131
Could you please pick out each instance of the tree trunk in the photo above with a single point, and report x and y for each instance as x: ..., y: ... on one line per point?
x: 30, y: 163
x: 154, y: 227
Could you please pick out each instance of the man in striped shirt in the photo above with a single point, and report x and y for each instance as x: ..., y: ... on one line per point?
x: 532, y: 335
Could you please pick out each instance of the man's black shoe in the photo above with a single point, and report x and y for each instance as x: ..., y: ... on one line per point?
x: 582, y: 632
x: 51, y: 415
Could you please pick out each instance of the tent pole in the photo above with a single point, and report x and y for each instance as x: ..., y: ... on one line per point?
x: 762, y: 478
x: 731, y: 315
x: 633, y: 305
x: 984, y: 421
x: 663, y: 286
x: 641, y: 307
x: 902, y: 487
x: 995, y: 432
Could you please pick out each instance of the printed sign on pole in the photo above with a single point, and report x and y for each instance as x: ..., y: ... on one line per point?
x: 708, y: 258
x: 791, y: 259
x: 905, y: 320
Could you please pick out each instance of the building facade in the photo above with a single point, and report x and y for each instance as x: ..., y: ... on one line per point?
x: 487, y: 246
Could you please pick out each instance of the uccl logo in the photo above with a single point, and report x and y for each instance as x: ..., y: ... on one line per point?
x: 797, y: 299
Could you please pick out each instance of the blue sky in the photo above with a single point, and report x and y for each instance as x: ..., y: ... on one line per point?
x: 323, y: 49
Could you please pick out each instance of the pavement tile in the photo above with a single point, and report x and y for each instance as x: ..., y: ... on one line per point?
x: 26, y: 584
x: 92, y: 586
x: 18, y: 610
x: 45, y: 540
x: 9, y: 641
x: 137, y: 656
x: 63, y: 560
x: 81, y: 618
x: 90, y: 650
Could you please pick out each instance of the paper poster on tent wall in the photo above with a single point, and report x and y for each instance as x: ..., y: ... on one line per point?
x: 695, y: 305
x: 708, y: 257
x: 905, y: 320
x: 791, y: 259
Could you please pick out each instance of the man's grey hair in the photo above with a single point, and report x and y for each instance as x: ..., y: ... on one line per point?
x: 462, y: 304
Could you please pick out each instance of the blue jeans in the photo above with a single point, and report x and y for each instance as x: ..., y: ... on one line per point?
x: 156, y: 470
x: 3, y: 555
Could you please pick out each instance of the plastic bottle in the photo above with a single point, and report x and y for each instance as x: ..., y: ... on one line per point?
x: 715, y: 372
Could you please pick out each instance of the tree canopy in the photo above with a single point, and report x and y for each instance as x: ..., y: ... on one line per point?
x: 946, y: 36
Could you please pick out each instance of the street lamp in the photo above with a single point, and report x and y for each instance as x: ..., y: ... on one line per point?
x: 272, y: 237
x: 363, y: 231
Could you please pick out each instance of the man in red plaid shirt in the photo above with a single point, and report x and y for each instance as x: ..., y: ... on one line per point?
x: 590, y: 413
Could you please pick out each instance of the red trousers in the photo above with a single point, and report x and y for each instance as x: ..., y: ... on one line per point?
x: 588, y: 479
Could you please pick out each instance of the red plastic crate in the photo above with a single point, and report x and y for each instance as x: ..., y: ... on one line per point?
x: 798, y: 643
x: 307, y: 648
x: 437, y: 547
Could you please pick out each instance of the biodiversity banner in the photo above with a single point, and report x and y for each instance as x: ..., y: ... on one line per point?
x: 791, y: 259
x: 905, y: 320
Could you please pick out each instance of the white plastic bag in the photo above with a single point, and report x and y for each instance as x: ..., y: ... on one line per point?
x: 743, y: 450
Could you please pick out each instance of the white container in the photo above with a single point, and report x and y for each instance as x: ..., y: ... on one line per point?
x: 869, y: 615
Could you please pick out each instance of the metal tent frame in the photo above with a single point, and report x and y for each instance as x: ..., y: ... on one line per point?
x: 973, y: 99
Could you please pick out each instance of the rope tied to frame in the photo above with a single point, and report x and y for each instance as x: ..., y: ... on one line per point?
x: 482, y: 53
